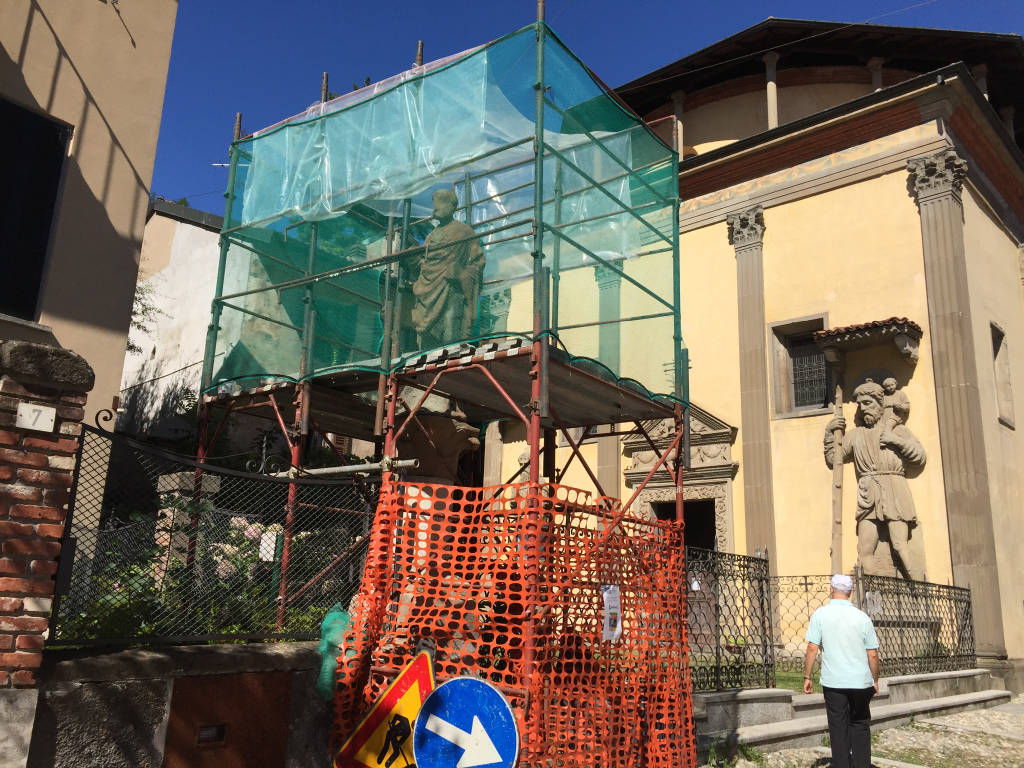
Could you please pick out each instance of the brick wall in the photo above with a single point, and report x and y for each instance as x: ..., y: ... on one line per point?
x: 35, y: 480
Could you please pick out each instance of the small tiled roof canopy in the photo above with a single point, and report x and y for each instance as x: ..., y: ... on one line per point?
x: 868, y: 334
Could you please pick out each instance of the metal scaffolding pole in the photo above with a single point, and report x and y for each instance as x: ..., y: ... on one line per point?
x: 215, y: 309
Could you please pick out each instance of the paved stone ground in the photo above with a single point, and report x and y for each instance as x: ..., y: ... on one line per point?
x: 986, y: 738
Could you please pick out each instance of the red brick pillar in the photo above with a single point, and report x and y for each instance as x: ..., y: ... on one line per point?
x: 37, y: 459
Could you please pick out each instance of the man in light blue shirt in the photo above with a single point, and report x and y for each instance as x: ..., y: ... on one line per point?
x: 849, y: 673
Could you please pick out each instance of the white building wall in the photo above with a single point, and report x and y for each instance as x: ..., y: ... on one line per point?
x: 179, y: 264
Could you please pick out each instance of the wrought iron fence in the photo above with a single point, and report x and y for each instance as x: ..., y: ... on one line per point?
x: 729, y: 619
x: 160, y: 547
x: 921, y: 627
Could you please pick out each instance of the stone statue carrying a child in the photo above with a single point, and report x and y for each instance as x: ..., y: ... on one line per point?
x: 882, y: 449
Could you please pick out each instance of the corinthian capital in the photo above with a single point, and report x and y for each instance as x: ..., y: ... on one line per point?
x: 746, y: 228
x: 940, y: 174
x: 606, y: 278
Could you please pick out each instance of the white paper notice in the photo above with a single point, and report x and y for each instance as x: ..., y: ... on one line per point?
x: 612, y: 629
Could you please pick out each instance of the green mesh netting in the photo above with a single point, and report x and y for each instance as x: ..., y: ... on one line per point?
x: 329, y: 211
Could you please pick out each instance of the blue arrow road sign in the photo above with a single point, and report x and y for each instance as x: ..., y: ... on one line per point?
x: 465, y: 723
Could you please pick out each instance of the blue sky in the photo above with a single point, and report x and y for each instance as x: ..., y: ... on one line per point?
x: 264, y: 58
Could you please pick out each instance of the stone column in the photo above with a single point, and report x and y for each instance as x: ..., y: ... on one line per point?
x: 746, y: 232
x: 609, y: 286
x: 42, y: 396
x: 1007, y: 114
x: 875, y: 67
x: 678, y: 98
x: 980, y: 73
x: 771, y: 91
x: 936, y: 183
x: 492, y: 454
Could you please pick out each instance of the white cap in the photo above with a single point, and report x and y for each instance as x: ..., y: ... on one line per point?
x: 842, y: 583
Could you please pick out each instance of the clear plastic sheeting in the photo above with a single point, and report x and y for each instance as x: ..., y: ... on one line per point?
x: 335, y: 256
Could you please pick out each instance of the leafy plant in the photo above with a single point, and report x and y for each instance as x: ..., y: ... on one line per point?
x: 751, y: 753
x: 144, y: 313
x: 189, y: 578
x: 725, y: 753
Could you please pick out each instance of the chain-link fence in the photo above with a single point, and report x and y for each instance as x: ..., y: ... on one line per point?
x: 161, y: 548
x: 921, y: 627
x: 729, y: 617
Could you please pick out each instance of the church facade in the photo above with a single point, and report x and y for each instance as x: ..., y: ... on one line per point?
x: 853, y: 210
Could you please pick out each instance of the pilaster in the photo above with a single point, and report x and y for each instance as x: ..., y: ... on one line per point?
x: 935, y: 183
x: 746, y: 232
x: 609, y: 284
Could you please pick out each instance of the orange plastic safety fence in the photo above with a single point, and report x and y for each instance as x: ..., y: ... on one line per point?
x: 507, y: 584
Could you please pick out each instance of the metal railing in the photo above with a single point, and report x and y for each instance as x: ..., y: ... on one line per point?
x: 160, y: 548
x: 728, y: 611
x: 746, y: 629
x: 921, y: 627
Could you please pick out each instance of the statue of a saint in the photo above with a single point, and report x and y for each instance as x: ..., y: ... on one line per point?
x: 881, y: 451
x: 451, y: 269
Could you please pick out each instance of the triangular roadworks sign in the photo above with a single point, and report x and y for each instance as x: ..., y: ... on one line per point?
x: 403, y: 698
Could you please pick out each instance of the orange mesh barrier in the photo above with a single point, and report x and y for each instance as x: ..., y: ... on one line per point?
x: 505, y: 583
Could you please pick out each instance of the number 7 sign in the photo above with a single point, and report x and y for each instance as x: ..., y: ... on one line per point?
x: 36, y: 417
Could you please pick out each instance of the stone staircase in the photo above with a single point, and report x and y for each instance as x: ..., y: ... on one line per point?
x: 775, y: 718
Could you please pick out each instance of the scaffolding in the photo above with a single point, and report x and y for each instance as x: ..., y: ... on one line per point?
x: 333, y: 302
x: 327, y: 214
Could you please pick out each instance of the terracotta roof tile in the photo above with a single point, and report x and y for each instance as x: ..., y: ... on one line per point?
x: 891, y: 325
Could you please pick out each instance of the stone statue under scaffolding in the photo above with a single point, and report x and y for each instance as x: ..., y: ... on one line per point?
x: 446, y: 278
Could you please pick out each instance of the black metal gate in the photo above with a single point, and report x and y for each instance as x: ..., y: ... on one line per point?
x: 161, y: 548
x: 728, y: 611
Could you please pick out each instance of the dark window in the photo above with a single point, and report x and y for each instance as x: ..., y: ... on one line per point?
x: 801, y: 379
x: 810, y: 373
x: 32, y: 151
x: 1001, y: 365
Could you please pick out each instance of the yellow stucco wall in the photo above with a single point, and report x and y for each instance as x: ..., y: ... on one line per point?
x: 994, y: 282
x: 855, y: 254
x: 155, y: 254
x: 711, y: 331
x: 103, y: 74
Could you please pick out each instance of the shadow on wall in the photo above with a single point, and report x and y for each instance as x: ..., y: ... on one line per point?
x: 122, y: 723
x: 162, y: 408
x: 93, y: 267
x: 165, y: 410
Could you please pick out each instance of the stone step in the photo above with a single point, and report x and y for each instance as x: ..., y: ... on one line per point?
x: 932, y: 685
x: 808, y: 731
x: 811, y: 704
x: 906, y: 688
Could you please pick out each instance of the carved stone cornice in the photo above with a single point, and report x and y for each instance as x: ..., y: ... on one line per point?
x: 711, y: 441
x: 695, y: 476
x: 938, y: 175
x: 746, y: 228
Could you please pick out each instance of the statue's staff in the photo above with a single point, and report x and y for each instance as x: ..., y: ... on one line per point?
x: 835, y: 359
